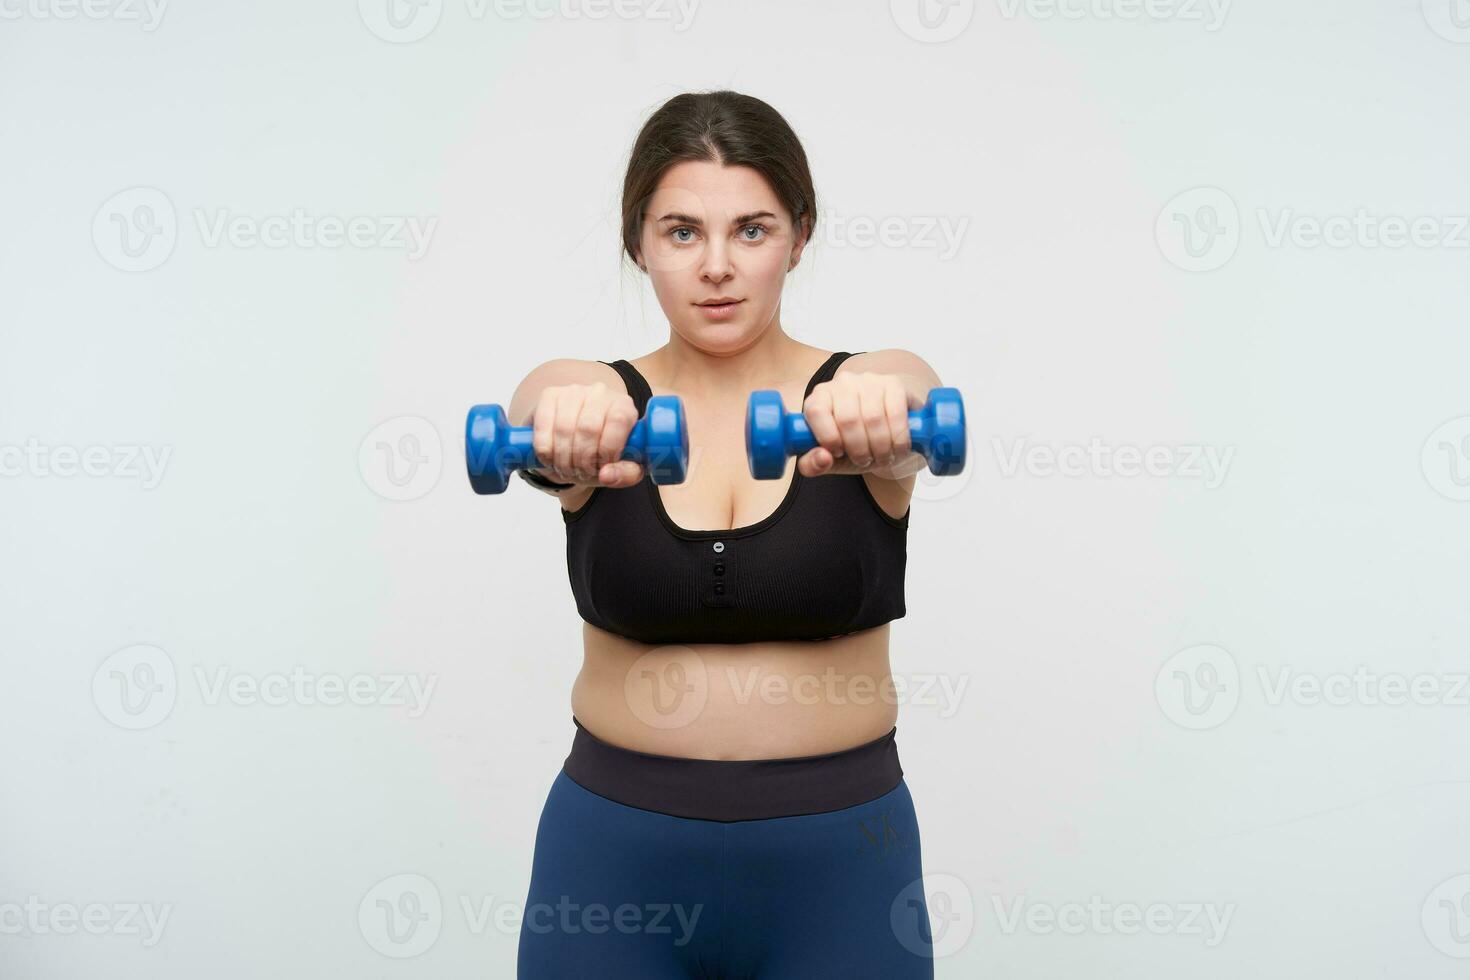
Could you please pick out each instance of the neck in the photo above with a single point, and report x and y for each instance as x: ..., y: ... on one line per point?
x: 771, y: 357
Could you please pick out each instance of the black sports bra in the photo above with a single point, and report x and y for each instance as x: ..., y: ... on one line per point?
x: 828, y: 561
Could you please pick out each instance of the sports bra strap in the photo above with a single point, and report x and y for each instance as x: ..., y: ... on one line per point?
x: 638, y: 387
x: 826, y: 372
x: 635, y: 384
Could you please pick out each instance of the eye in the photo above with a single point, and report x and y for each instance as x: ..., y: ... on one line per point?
x: 674, y: 233
x: 758, y: 227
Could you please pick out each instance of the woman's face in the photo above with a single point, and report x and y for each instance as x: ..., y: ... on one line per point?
x: 714, y: 232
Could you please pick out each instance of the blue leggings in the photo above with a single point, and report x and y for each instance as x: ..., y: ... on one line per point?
x: 623, y: 893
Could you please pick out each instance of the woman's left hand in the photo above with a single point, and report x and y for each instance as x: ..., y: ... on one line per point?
x: 861, y: 423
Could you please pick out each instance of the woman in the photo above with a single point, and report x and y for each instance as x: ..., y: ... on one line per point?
x: 733, y: 804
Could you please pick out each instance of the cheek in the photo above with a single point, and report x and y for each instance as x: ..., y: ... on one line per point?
x: 767, y: 270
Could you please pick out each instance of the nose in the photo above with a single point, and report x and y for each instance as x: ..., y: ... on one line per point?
x: 715, y: 262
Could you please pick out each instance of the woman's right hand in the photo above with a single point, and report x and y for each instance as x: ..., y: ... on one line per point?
x: 579, y: 433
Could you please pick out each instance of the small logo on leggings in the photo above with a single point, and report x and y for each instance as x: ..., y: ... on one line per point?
x: 880, y: 835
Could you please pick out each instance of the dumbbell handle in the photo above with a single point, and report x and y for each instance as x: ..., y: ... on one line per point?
x: 799, y: 438
x: 519, y: 453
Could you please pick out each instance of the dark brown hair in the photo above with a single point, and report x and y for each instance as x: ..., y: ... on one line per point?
x: 722, y: 127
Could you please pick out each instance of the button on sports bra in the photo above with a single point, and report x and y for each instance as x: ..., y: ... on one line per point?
x: 829, y: 560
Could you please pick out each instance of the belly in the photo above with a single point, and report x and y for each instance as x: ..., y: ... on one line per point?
x: 736, y: 701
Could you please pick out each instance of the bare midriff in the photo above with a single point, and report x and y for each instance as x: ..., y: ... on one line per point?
x: 736, y: 700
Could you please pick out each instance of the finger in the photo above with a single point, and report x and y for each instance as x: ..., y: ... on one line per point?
x: 875, y: 422
x: 543, y: 421
x: 622, y: 415
x: 896, y: 407
x: 847, y: 413
x: 815, y: 462
x: 589, y: 431
x: 818, y: 414
x: 568, y: 408
x: 624, y: 473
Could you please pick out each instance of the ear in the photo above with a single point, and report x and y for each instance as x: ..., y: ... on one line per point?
x: 804, y: 234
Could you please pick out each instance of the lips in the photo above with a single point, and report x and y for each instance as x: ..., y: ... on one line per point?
x: 721, y: 308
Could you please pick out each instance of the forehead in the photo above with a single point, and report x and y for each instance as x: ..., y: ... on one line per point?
x: 700, y: 187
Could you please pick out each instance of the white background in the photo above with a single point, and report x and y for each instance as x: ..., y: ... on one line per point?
x: 1084, y: 758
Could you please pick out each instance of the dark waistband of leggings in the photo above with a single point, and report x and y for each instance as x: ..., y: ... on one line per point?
x: 734, y: 789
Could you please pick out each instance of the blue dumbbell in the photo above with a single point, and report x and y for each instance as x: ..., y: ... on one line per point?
x: 771, y: 433
x: 493, y: 448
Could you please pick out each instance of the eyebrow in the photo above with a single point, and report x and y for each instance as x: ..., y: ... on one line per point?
x: 738, y: 220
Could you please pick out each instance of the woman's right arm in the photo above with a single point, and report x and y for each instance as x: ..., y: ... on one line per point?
x: 581, y: 414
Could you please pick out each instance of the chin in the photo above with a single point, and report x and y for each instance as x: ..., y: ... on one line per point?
x: 718, y: 338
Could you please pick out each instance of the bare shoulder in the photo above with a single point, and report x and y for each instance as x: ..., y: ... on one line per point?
x: 892, y: 361
x: 570, y: 371
x: 561, y: 371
